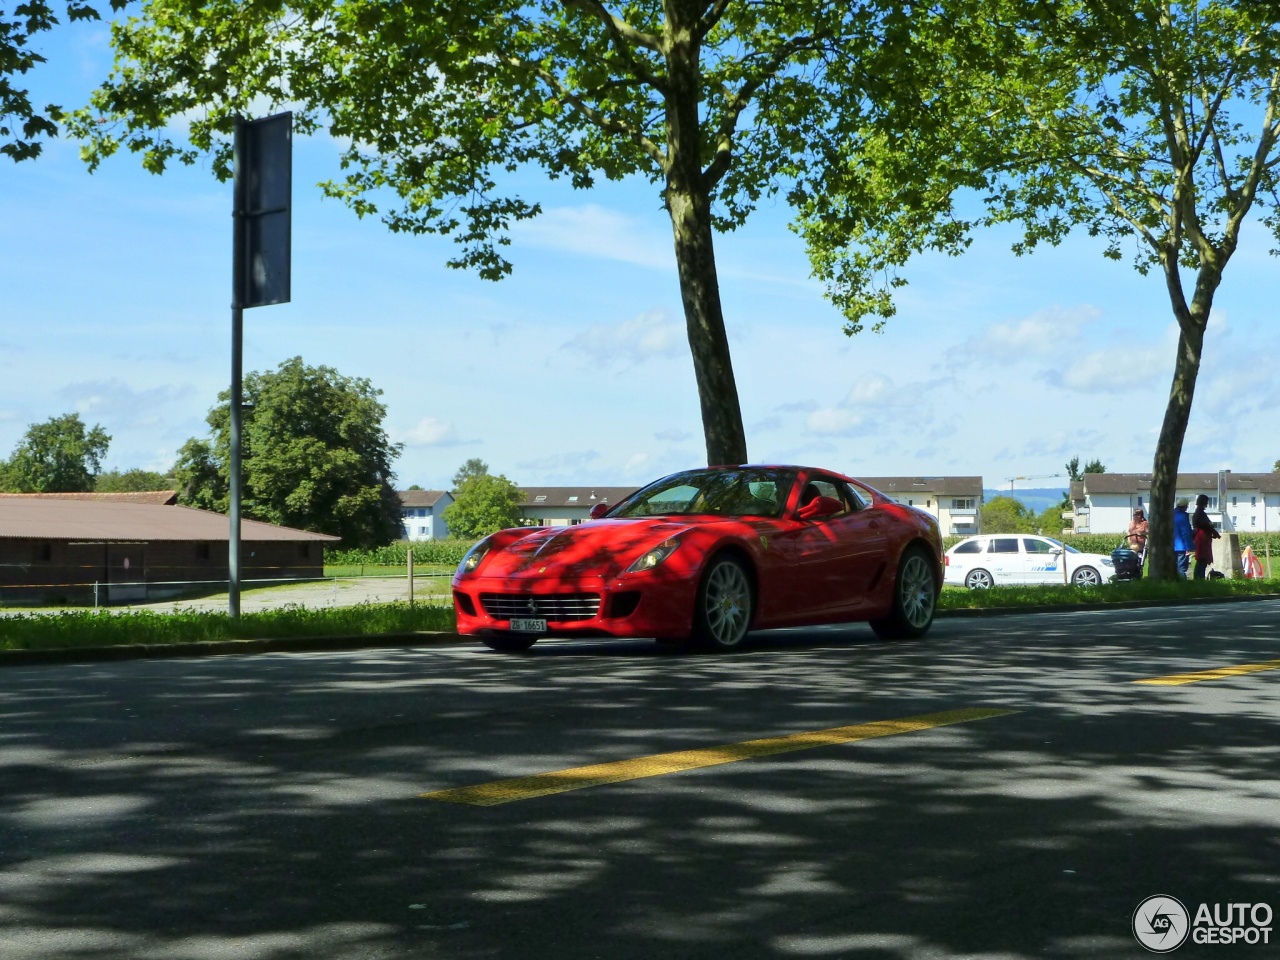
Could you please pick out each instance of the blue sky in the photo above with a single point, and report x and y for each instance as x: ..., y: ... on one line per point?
x: 576, y: 369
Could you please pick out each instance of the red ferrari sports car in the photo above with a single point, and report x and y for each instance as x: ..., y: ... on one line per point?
x: 705, y: 556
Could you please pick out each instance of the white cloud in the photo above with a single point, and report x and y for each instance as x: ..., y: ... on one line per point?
x: 1043, y: 333
x: 834, y: 421
x: 595, y: 231
x: 431, y: 432
x: 652, y: 334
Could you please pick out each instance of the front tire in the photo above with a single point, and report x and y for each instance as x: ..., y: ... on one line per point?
x: 915, y: 598
x: 1086, y: 577
x: 724, y: 605
x: 509, y: 642
x: 978, y: 580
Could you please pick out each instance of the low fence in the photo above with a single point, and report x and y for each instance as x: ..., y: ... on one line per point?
x: 409, y: 587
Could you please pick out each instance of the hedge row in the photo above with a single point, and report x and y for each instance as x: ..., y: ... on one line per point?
x: 396, y: 554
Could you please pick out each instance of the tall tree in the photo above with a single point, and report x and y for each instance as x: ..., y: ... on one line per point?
x: 57, y: 456
x: 315, y: 455
x: 474, y: 467
x: 134, y: 480
x: 1153, y: 124
x: 22, y: 124
x: 721, y: 104
x: 483, y: 504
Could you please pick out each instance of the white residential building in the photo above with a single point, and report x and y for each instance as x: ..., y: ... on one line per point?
x: 1104, y: 502
x: 955, y: 502
x: 421, y: 514
x: 566, y: 506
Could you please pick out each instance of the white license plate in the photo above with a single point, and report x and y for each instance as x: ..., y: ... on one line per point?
x: 528, y: 626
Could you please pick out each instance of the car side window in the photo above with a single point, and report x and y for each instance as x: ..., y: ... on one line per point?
x: 1032, y: 545
x: 972, y: 546
x: 1004, y: 545
x: 829, y: 487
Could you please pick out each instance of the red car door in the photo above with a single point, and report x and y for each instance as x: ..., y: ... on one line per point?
x: 825, y: 567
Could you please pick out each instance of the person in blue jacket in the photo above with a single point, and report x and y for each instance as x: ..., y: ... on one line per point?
x: 1184, y: 543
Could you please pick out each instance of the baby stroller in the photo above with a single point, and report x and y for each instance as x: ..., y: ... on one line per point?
x: 1126, y: 563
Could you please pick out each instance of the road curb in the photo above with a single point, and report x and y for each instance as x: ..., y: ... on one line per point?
x: 442, y: 638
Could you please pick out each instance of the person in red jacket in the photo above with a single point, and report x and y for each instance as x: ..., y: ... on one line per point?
x: 1205, y: 534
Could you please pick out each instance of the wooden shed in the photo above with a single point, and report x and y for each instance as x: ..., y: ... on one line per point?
x: 75, y: 548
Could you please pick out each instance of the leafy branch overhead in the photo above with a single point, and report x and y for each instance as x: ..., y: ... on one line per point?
x: 22, y: 124
x: 721, y: 104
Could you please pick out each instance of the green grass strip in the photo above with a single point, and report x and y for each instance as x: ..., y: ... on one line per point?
x: 86, y: 628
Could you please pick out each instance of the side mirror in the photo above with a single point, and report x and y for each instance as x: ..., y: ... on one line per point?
x: 1055, y: 551
x: 819, y: 508
x: 599, y: 510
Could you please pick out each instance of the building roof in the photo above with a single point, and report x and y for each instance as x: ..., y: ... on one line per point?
x: 941, y: 486
x: 58, y: 518
x: 165, y: 497
x: 574, y: 496
x: 421, y: 498
x: 1128, y: 483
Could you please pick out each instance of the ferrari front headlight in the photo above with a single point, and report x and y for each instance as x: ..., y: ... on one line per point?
x: 652, y: 558
x: 475, y: 555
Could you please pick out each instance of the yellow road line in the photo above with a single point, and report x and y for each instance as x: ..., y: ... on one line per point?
x: 1180, y: 678
x: 561, y: 781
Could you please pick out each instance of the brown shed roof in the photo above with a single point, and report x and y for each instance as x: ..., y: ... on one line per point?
x: 54, y: 518
x: 166, y: 497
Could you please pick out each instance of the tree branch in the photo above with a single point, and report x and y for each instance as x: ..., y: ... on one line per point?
x: 742, y: 99
x: 709, y: 19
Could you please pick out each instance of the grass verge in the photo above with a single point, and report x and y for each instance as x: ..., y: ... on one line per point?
x: 85, y: 628
x: 960, y: 598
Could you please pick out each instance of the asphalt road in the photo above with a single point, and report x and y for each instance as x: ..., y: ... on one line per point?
x: 270, y: 806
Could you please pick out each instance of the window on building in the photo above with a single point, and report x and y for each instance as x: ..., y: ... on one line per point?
x: 304, y: 551
x: 573, y: 499
x: 962, y: 504
x: 539, y: 498
x: 42, y: 552
x: 1253, y: 521
x: 1253, y: 501
x: 1234, y: 501
x: 202, y: 551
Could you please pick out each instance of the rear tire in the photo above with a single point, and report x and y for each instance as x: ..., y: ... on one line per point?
x: 978, y: 580
x: 915, y: 598
x: 509, y: 642
x: 724, y: 605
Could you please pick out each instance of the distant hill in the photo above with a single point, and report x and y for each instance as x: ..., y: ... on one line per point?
x: 1033, y: 498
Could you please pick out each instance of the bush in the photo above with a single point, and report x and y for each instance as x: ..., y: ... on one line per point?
x: 396, y: 554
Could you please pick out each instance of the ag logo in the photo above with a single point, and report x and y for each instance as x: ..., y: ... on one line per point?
x: 1161, y: 924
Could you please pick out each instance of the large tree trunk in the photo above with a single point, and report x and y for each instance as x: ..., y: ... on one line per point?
x: 688, y: 199
x: 1192, y: 322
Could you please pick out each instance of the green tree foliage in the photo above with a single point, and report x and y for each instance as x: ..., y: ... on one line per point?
x: 1006, y: 515
x: 315, y: 455
x: 721, y: 104
x: 132, y: 481
x: 57, y: 456
x: 22, y: 124
x: 474, y: 467
x: 1154, y: 125
x: 481, y: 505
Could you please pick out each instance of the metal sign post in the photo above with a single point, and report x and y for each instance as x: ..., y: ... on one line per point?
x: 260, y: 257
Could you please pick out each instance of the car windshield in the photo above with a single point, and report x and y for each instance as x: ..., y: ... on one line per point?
x: 744, y: 492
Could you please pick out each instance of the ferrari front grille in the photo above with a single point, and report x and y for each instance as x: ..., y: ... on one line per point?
x: 546, y: 606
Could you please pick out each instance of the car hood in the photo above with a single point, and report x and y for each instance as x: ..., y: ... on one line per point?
x: 598, y: 548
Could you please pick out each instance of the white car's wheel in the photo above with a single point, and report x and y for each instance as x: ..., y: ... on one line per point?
x: 978, y: 579
x: 1086, y: 577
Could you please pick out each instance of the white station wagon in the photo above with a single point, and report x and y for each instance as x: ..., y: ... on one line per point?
x: 1000, y: 558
